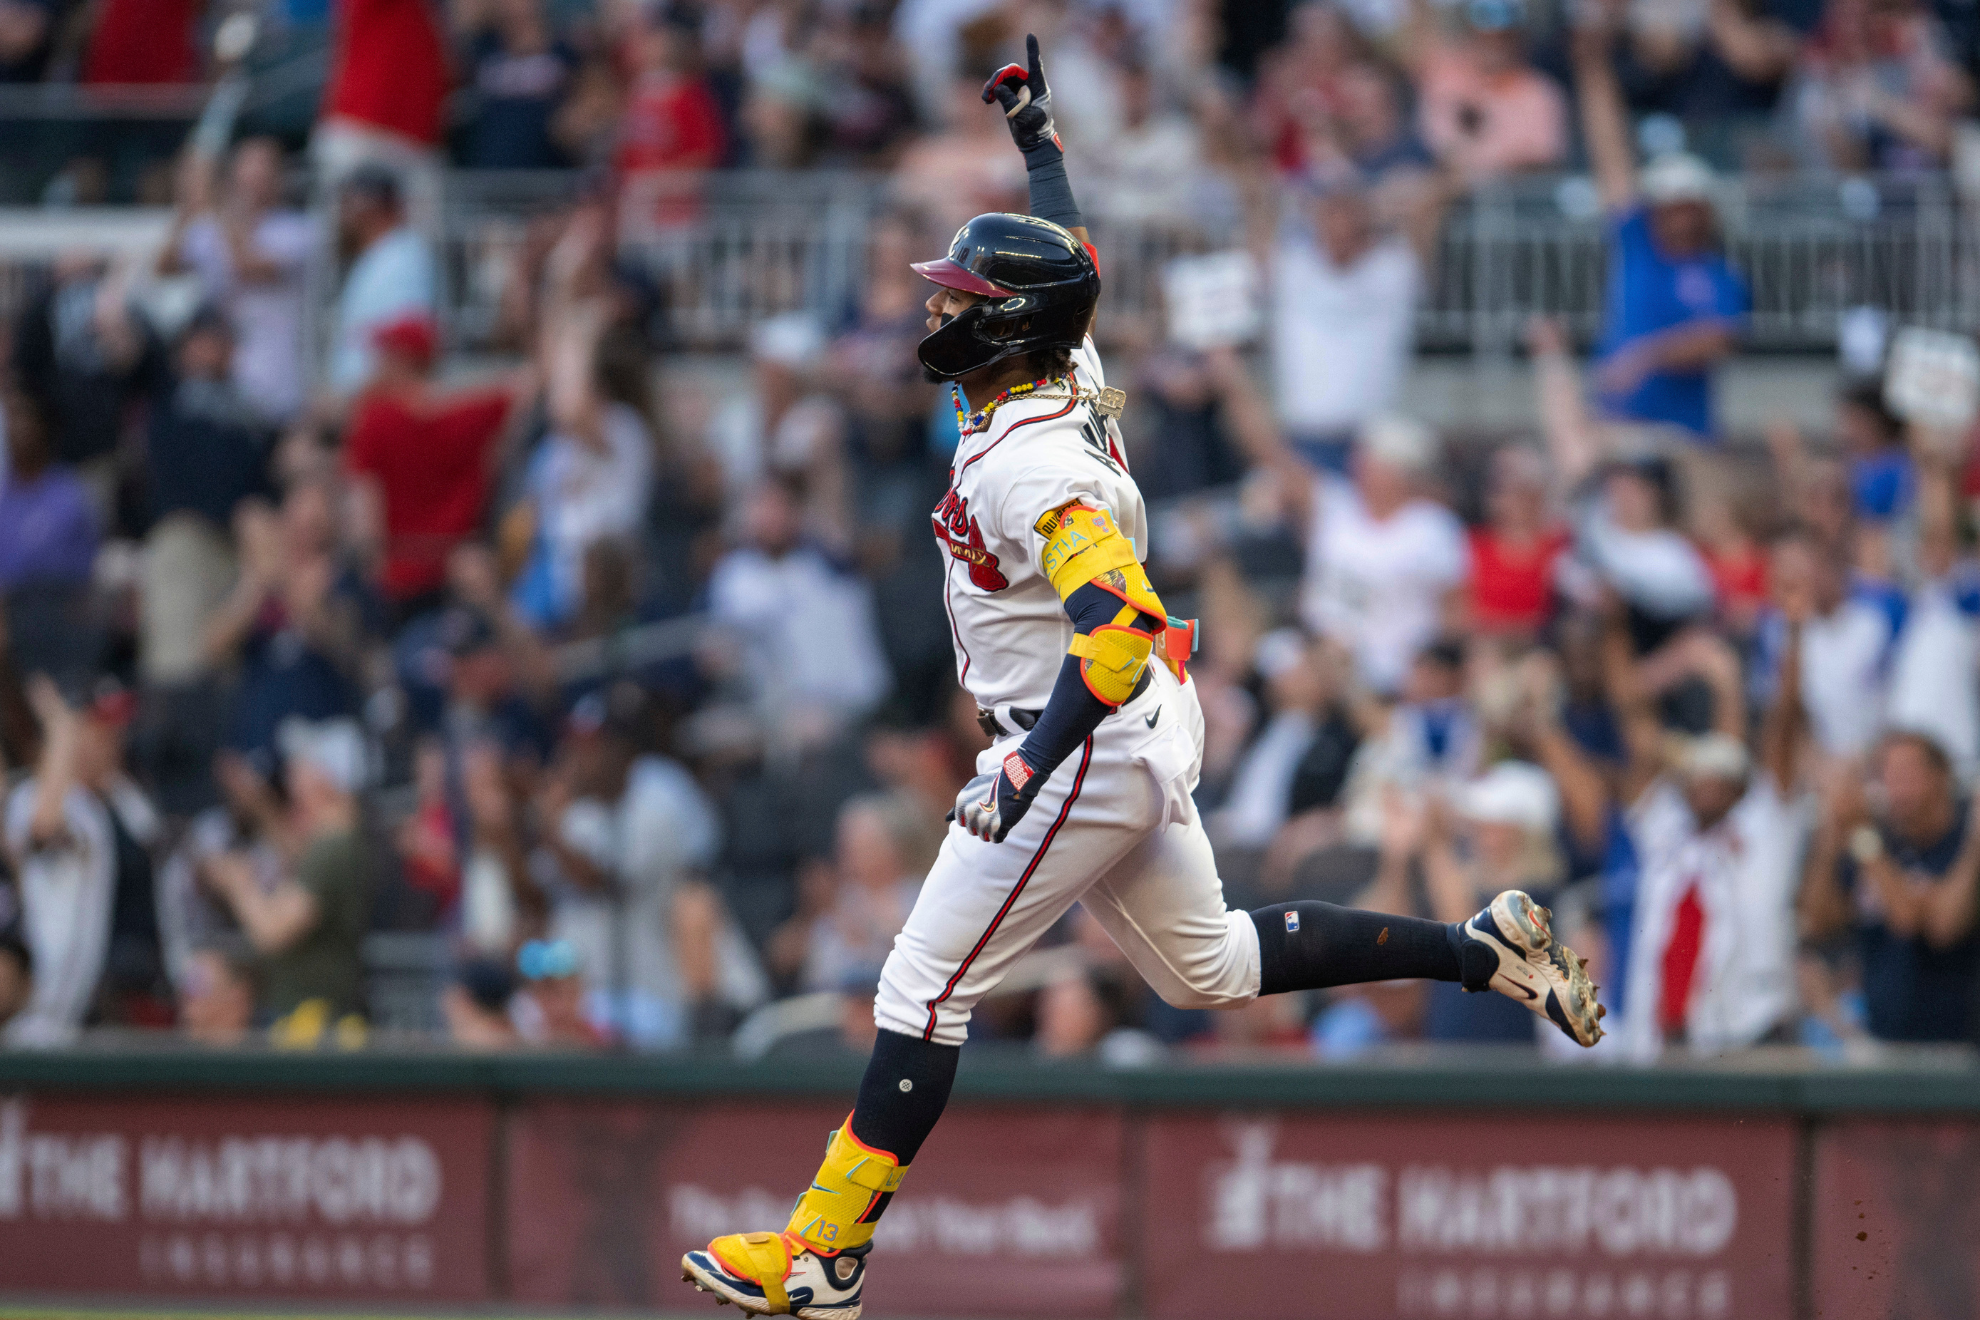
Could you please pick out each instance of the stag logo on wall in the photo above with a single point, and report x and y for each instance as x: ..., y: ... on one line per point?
x: 66, y: 1175
x: 1258, y: 1202
x: 250, y: 1210
x: 49, y: 1175
x: 1634, y: 1237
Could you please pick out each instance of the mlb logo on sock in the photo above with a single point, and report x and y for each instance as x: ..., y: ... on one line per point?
x: 1292, y: 922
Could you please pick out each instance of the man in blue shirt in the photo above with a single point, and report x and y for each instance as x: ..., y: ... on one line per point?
x: 49, y: 532
x: 393, y: 275
x: 1675, y: 307
x: 1902, y: 879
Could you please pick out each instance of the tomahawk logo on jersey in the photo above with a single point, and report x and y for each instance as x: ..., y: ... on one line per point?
x: 959, y: 533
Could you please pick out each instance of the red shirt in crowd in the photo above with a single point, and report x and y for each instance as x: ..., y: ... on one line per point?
x: 1739, y: 578
x: 391, y: 68
x: 143, y: 41
x: 1969, y: 485
x: 672, y: 123
x: 1512, y: 589
x: 430, y: 459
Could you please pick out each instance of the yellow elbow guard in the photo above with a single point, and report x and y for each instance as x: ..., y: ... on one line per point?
x: 1083, y: 545
x: 1112, y: 659
x: 842, y: 1206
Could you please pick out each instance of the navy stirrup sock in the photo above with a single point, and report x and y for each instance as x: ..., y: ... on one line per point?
x: 1308, y: 945
x: 905, y: 1089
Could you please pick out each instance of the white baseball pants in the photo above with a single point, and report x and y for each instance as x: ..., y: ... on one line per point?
x: 1115, y: 827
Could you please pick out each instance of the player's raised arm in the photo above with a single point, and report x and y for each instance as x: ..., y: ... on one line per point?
x: 1604, y: 119
x: 1027, y: 104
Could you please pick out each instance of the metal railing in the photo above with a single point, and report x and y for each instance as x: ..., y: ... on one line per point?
x: 755, y: 245
x: 129, y: 134
x: 760, y: 245
x: 1809, y: 248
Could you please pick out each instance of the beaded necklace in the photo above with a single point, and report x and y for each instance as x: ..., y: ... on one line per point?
x: 969, y: 423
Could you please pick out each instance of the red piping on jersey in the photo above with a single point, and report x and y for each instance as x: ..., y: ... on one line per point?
x: 948, y: 579
x: 1071, y: 404
x: 1016, y: 889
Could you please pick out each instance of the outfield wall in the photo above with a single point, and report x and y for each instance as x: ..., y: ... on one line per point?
x: 1413, y: 1192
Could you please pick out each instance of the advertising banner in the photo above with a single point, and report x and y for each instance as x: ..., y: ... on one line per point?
x: 1896, y: 1223
x: 1429, y: 1217
x: 1007, y: 1211
x: 360, y: 1200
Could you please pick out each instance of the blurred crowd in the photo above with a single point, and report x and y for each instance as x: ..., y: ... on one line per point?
x: 1427, y: 95
x: 614, y: 683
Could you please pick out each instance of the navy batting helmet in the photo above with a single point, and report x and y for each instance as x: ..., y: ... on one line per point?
x: 1039, y: 286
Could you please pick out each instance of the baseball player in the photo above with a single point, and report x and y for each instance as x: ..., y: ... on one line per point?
x: 1081, y: 679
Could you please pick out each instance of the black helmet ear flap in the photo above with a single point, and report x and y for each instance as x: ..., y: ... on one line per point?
x: 960, y: 347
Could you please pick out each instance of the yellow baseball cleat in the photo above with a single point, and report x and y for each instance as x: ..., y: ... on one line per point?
x: 778, y: 1274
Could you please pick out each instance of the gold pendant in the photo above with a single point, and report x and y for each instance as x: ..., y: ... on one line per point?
x: 1110, y: 402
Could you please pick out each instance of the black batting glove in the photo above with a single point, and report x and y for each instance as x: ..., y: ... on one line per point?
x: 1027, y: 102
x: 990, y: 806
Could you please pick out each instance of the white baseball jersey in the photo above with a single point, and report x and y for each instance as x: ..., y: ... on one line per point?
x: 1038, y: 454
x: 1114, y: 824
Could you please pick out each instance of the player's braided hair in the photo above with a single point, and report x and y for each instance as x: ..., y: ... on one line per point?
x: 1050, y: 362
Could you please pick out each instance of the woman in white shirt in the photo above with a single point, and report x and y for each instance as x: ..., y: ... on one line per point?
x: 1385, y: 566
x: 592, y: 477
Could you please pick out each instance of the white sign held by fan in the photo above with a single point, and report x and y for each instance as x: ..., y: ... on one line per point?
x: 1933, y: 379
x: 1213, y: 300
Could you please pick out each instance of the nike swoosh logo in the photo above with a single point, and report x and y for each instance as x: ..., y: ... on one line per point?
x: 1150, y: 721
x: 1528, y: 991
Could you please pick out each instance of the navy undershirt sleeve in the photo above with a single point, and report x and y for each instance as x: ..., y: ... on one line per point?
x: 1073, y: 712
x: 1051, y: 190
